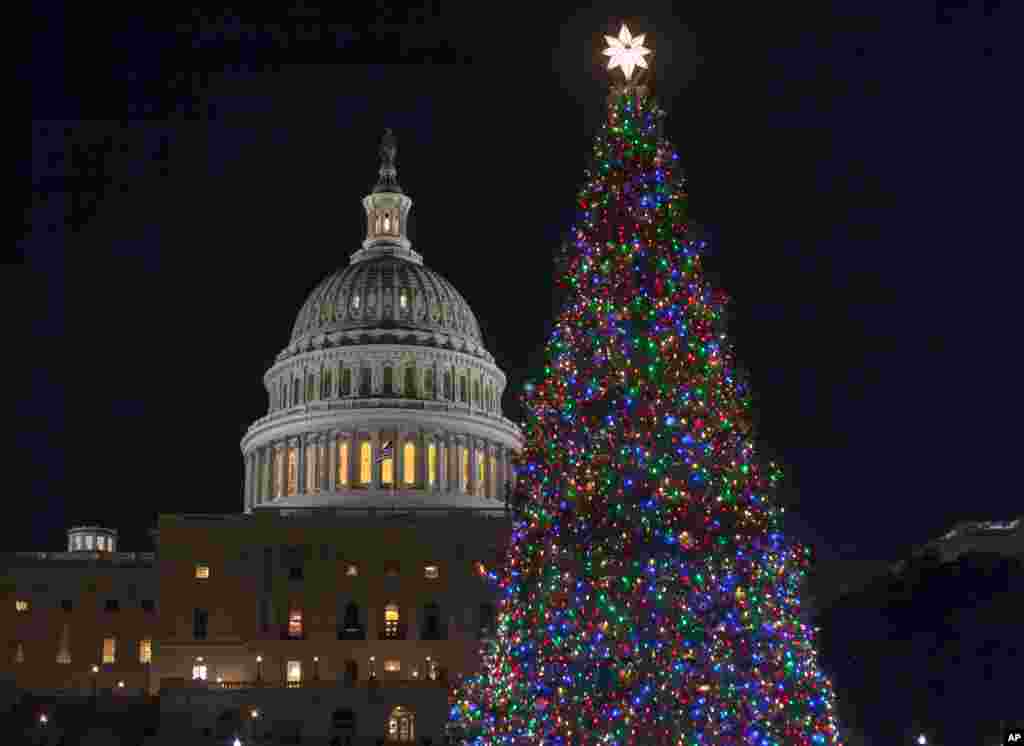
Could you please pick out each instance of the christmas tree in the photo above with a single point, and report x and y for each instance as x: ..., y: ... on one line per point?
x: 648, y: 594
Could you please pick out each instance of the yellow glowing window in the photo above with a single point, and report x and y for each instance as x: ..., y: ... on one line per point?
x: 342, y: 477
x: 109, y: 648
x: 409, y: 463
x: 21, y: 605
x: 465, y: 468
x: 391, y: 620
x: 295, y: 623
x: 392, y: 665
x: 145, y: 650
x: 294, y: 672
x: 352, y: 570
x: 480, y: 483
x: 431, y: 572
x: 365, y: 463
x: 431, y: 464
x: 293, y: 471
x: 202, y: 572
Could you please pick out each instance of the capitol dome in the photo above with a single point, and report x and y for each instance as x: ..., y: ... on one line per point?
x: 385, y: 395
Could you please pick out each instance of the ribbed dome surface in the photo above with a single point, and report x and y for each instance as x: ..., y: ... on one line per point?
x: 368, y: 295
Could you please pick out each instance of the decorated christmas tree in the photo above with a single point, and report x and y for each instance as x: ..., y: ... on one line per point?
x: 648, y: 595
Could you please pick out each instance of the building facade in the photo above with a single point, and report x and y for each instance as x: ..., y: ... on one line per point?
x: 347, y: 594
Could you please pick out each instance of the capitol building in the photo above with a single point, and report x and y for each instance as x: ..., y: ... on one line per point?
x: 341, y: 602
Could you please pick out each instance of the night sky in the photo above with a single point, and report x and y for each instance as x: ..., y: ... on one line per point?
x: 194, y: 177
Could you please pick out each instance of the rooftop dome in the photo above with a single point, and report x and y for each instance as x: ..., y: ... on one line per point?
x: 386, y: 292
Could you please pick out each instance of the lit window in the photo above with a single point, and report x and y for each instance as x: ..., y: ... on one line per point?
x: 392, y: 666
x: 109, y: 649
x: 431, y: 464
x: 431, y: 572
x: 101, y: 543
x: 365, y: 462
x: 403, y: 299
x: 89, y: 542
x: 78, y: 541
x: 294, y: 672
x: 21, y: 605
x: 481, y: 485
x: 342, y: 477
x: 409, y: 463
x: 387, y: 473
x: 199, y: 672
x: 202, y: 571
x: 145, y: 650
x: 351, y: 570
x: 465, y: 468
x: 295, y: 623
x: 387, y: 223
x: 355, y: 301
x: 391, y: 621
x: 293, y: 471
x: 432, y: 669
x: 400, y: 725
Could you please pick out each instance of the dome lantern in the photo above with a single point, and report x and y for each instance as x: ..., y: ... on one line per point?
x: 387, y: 210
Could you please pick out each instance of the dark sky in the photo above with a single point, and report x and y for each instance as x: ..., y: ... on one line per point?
x: 195, y: 176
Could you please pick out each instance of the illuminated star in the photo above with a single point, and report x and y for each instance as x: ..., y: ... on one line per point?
x: 626, y: 52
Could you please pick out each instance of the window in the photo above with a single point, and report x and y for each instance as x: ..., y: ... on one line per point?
x: 78, y: 541
x: 145, y: 650
x: 431, y: 464
x: 64, y: 648
x: 66, y: 604
x: 352, y: 617
x: 431, y: 571
x: 295, y: 623
x: 294, y: 672
x: 21, y: 606
x: 199, y: 671
x: 355, y: 301
x: 148, y: 606
x: 391, y: 621
x: 465, y: 468
x: 365, y: 462
x: 109, y: 649
x: 476, y: 393
x: 409, y: 462
x: 432, y: 668
x: 325, y: 384
x: 200, y: 621
x: 387, y: 466
x: 428, y: 382
x: 389, y: 380
x: 494, y: 475
x: 346, y: 382
x: 89, y: 542
x: 296, y: 391
x: 310, y: 387
x: 401, y: 725
x: 410, y: 381
x: 19, y: 652
x: 351, y: 570
x: 295, y: 573
x: 392, y: 665
x: 101, y: 543
x: 448, y: 384
x: 112, y: 605
x: 387, y: 223
x: 202, y: 571
x: 462, y: 389
x: 403, y: 299
x: 311, y: 485
x: 481, y: 485
x: 342, y: 476
x: 365, y: 382
x: 431, y: 622
x: 293, y: 471
x: 391, y: 569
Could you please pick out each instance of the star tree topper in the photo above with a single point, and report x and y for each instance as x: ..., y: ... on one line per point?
x: 626, y: 52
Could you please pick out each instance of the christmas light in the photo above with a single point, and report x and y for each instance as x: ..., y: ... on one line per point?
x: 648, y: 594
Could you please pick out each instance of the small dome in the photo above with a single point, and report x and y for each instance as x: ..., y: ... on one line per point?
x: 384, y: 293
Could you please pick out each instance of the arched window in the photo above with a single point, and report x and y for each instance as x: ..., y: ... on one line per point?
x: 428, y: 382
x: 389, y: 380
x: 448, y: 385
x: 387, y: 463
x: 355, y: 301
x: 401, y: 725
x: 293, y: 471
x: 387, y: 223
x: 346, y: 382
x: 342, y: 476
x: 410, y: 381
x: 365, y: 462
x: 431, y: 464
x: 409, y: 462
x: 364, y: 381
x: 391, y: 621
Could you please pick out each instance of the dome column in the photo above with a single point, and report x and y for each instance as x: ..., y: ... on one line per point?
x: 300, y: 478
x: 375, y: 465
x: 333, y: 443
x: 421, y: 460
x: 473, y: 467
x: 398, y: 459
